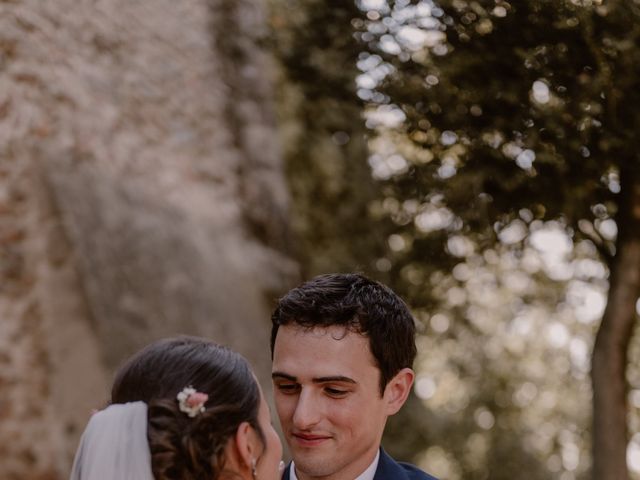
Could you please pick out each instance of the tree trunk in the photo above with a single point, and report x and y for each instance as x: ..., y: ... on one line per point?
x: 610, y: 350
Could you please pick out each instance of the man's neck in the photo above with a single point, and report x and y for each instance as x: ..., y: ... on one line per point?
x: 367, y: 474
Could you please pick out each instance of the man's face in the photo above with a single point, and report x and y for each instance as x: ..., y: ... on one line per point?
x: 326, y: 387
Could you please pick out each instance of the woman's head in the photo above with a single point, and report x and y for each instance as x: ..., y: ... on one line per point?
x: 233, y: 433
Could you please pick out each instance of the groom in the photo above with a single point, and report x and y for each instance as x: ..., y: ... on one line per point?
x: 342, y: 348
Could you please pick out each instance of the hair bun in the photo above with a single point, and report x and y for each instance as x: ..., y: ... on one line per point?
x: 178, y: 449
x: 185, y: 448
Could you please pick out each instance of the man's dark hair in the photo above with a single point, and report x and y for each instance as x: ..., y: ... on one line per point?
x: 362, y: 306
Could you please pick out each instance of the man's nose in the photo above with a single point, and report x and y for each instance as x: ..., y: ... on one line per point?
x: 307, y: 412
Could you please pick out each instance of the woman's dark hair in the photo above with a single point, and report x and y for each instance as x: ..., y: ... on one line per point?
x: 362, y: 306
x: 185, y: 448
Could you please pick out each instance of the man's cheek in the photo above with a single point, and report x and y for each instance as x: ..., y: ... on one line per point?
x: 284, y: 408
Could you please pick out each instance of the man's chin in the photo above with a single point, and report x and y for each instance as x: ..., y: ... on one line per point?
x: 315, y: 468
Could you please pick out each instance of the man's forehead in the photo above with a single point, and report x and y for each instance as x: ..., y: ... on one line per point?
x: 324, y: 351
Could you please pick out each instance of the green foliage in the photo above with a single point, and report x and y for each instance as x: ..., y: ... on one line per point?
x: 509, y: 124
x: 519, y: 104
x: 324, y: 137
x: 493, y: 127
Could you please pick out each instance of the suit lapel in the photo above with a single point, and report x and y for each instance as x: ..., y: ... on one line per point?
x: 285, y: 474
x: 388, y: 469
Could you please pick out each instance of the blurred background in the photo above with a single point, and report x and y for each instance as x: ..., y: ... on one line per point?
x: 173, y: 167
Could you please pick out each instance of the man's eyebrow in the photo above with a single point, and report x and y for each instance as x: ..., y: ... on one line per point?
x: 285, y: 376
x: 336, y: 378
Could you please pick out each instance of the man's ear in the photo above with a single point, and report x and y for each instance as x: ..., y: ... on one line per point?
x: 247, y: 446
x: 398, y: 389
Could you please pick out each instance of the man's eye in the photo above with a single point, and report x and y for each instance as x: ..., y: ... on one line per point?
x: 336, y: 392
x: 287, y: 387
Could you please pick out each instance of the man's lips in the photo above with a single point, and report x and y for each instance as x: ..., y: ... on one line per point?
x: 309, y: 439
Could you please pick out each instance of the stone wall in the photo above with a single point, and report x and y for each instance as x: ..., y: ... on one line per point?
x: 141, y: 196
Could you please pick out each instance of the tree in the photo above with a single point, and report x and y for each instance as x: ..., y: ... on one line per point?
x: 324, y: 137
x: 506, y: 116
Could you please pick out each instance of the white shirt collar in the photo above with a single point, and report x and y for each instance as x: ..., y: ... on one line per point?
x: 368, y: 474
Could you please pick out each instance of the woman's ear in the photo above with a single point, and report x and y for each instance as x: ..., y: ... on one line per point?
x: 248, y: 446
x: 398, y: 389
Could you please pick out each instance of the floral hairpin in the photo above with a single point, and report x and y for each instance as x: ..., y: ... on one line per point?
x: 191, y: 402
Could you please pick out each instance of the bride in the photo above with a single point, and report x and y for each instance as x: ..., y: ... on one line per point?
x: 181, y: 409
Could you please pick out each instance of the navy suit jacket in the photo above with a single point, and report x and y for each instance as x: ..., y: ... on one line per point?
x: 389, y: 469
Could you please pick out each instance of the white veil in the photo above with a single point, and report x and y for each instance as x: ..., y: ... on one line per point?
x: 114, y: 445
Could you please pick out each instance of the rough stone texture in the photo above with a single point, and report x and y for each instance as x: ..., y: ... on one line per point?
x: 141, y: 195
